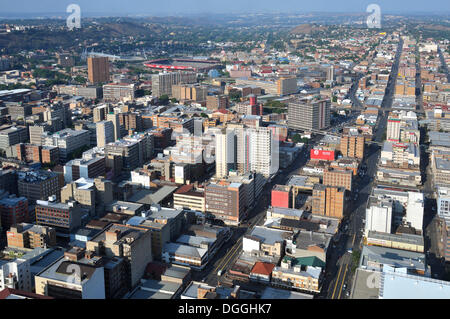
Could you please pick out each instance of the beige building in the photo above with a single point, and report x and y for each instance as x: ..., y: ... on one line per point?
x: 337, y: 177
x: 31, y: 236
x: 188, y: 198
x: 131, y: 243
x: 105, y: 133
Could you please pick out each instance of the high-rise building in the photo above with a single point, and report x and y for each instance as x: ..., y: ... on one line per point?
x: 36, y: 131
x: 100, y: 112
x: 76, y: 275
x: 162, y: 83
x: 225, y: 201
x: 128, y: 242
x: 67, y: 141
x: 287, y: 85
x: 338, y: 177
x: 282, y: 196
x: 13, y: 210
x: 225, y: 152
x: 352, y: 145
x: 84, y: 168
x: 127, y: 150
x: 38, y: 185
x: 105, y: 133
x: 393, y: 128
x: 114, y: 118
x: 64, y: 217
x: 132, y: 122
x: 98, y: 70
x: 328, y: 201
x: 118, y: 92
x: 91, y: 194
x: 12, y: 135
x: 216, y: 102
x: 189, y: 92
x: 379, y: 215
x: 309, y: 114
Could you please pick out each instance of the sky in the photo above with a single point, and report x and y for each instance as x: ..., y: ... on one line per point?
x: 166, y: 7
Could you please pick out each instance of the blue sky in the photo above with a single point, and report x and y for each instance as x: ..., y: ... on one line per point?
x: 162, y: 7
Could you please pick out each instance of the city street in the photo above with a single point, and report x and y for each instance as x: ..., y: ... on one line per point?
x: 338, y: 280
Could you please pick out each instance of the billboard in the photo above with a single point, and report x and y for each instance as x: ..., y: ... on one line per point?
x: 322, y: 155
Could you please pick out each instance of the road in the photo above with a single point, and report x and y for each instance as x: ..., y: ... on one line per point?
x: 228, y: 254
x: 339, y: 263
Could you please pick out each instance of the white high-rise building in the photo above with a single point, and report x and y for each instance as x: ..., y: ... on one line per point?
x: 247, y: 150
x: 443, y: 204
x: 393, y: 129
x: 414, y: 210
x: 379, y: 215
x: 225, y: 152
x: 264, y: 153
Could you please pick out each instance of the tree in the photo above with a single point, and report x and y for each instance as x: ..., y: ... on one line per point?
x: 80, y: 79
x: 164, y: 99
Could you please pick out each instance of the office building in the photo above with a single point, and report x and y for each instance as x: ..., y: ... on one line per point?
x: 23, y: 235
x: 338, y: 177
x: 38, y: 185
x: 118, y: 92
x: 352, y: 145
x: 225, y: 201
x: 186, y: 197
x: 67, y: 141
x: 84, y: 168
x: 282, y: 196
x: 189, y: 92
x: 162, y: 83
x: 379, y: 215
x: 216, y: 102
x: 309, y: 114
x: 13, y: 210
x: 105, y: 133
x: 76, y: 275
x: 328, y: 201
x: 130, y: 243
x: 12, y: 135
x: 98, y: 70
x: 64, y: 217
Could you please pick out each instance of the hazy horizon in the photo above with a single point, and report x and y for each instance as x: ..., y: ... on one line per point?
x: 28, y: 8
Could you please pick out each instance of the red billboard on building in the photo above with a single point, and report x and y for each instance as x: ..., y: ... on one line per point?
x: 322, y: 155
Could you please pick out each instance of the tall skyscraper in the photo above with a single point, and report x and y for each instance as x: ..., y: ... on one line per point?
x: 393, y: 128
x: 309, y: 114
x: 225, y: 152
x: 98, y: 69
x: 246, y: 150
x: 114, y: 118
x: 105, y: 133
x: 352, y: 145
x: 100, y: 113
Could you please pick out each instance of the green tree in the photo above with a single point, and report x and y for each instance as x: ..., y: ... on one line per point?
x: 164, y: 99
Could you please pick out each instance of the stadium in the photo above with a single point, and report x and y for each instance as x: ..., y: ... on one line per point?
x: 183, y: 64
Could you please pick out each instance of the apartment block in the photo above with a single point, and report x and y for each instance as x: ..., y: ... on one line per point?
x: 329, y: 201
x: 338, y: 177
